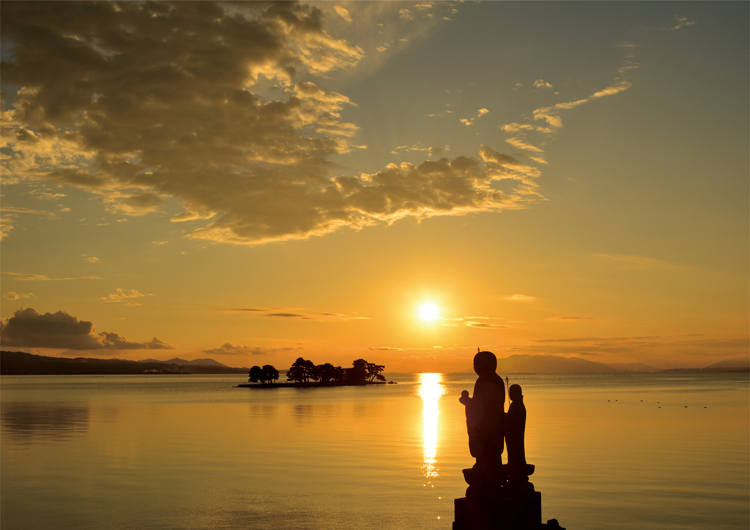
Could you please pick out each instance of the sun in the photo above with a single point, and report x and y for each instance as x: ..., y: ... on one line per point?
x: 428, y: 312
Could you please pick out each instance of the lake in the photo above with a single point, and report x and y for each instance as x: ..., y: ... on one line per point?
x: 651, y: 451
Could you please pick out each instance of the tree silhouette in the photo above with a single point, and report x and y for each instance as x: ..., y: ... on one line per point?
x: 358, y: 372
x: 269, y: 374
x: 373, y: 372
x: 255, y: 374
x: 301, y: 371
x: 327, y: 372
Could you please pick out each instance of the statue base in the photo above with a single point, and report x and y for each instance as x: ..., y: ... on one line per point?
x: 511, y: 505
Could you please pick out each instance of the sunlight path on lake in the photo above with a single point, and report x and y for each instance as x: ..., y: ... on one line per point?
x: 430, y: 390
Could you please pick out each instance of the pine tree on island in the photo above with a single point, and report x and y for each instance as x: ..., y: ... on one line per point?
x: 265, y: 375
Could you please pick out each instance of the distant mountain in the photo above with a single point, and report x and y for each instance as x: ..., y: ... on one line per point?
x: 735, y: 363
x: 183, y: 362
x: 19, y: 363
x: 552, y: 364
x: 633, y: 367
x: 195, y: 362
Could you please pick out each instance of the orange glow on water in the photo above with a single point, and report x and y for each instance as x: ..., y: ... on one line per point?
x: 430, y: 390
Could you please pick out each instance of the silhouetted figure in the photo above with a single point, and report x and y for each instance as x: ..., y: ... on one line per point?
x: 515, y: 425
x: 484, y: 423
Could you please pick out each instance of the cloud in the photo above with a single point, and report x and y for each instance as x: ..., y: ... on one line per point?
x: 229, y: 117
x: 512, y: 167
x: 10, y: 295
x: 6, y: 225
x: 638, y: 262
x: 295, y: 313
x: 42, y: 278
x: 486, y: 325
x: 384, y: 348
x: 201, y: 121
x: 343, y: 13
x: 230, y: 349
x: 571, y: 318
x: 60, y: 330
x: 517, y: 127
x: 552, y: 114
x: 596, y: 339
x: 442, y: 114
x: 681, y: 22
x: 407, y: 148
x: 29, y: 211
x: 46, y: 195
x: 135, y: 204
x: 470, y: 122
x: 91, y: 259
x: 521, y: 144
x: 519, y: 298
x: 433, y: 151
x: 541, y: 83
x: 472, y: 322
x: 317, y: 316
x: 123, y: 294
x: 406, y: 14
x: 10, y: 213
x: 189, y: 215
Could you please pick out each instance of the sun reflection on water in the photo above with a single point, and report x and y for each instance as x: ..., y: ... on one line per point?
x: 430, y: 390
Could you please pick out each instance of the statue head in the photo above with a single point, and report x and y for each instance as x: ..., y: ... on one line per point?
x: 485, y: 363
x: 514, y: 392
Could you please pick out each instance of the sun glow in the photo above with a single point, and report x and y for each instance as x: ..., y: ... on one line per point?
x: 428, y: 312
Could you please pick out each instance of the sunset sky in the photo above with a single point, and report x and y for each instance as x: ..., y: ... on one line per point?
x: 253, y: 182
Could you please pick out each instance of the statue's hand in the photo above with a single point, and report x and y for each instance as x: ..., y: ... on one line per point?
x: 464, y: 399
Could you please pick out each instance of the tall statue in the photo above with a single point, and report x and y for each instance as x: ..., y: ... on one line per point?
x: 485, y: 412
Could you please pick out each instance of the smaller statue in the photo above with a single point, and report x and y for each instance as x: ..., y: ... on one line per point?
x: 515, y: 425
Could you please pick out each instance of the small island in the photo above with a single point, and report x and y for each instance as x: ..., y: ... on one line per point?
x: 304, y: 373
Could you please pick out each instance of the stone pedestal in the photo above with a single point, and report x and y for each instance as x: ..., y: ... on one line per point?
x: 507, y: 504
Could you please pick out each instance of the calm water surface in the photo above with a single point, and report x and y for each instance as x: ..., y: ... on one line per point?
x: 618, y: 452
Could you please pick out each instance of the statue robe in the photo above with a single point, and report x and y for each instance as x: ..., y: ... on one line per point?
x: 484, y: 419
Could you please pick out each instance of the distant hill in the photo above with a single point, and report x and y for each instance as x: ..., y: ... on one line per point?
x: 633, y: 367
x: 19, y: 363
x: 735, y: 363
x: 195, y: 362
x: 552, y: 364
x: 183, y: 362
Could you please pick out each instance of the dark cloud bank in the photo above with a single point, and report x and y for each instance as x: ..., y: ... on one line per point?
x: 31, y: 329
